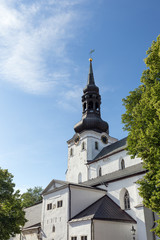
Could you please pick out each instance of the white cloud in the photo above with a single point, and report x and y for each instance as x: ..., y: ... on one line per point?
x: 33, y: 42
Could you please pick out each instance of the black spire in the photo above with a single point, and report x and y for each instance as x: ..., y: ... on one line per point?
x: 91, y: 100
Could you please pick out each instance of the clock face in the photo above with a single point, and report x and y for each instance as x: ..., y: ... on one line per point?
x: 104, y: 139
x: 77, y: 140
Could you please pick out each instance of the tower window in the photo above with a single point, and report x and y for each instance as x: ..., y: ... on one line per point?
x: 71, y: 152
x: 126, y: 200
x: 73, y: 238
x: 83, y: 145
x: 100, y: 171
x: 90, y: 105
x: 97, y: 106
x: 96, y: 145
x: 122, y: 164
x: 84, y: 107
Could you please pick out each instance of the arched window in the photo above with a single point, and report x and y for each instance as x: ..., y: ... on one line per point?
x: 126, y: 200
x: 90, y: 105
x: 100, y: 171
x: 97, y: 106
x: 84, y: 107
x: 122, y: 164
x: 96, y: 145
x: 80, y: 177
x: 53, y: 228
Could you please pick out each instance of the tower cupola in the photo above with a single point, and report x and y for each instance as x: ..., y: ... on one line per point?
x: 91, y: 101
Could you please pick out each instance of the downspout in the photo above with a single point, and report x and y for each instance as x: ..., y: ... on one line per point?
x: 154, y: 236
x: 92, y: 229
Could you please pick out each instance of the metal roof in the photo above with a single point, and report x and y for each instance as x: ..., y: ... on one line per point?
x: 110, y: 149
x: 103, y: 209
x: 33, y: 215
x: 114, y: 176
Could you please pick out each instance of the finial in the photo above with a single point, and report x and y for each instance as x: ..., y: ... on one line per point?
x: 90, y: 59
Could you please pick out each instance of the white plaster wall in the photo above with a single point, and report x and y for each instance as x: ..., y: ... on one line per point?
x: 78, y: 229
x: 30, y: 235
x: 56, y: 216
x: 82, y: 198
x: 77, y: 162
x: 108, y: 230
x: 141, y: 229
x: 114, y: 189
x: 112, y: 163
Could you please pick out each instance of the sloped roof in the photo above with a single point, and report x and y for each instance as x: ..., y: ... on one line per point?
x: 33, y: 215
x: 110, y: 149
x: 104, y: 209
x: 52, y: 183
x: 119, y: 174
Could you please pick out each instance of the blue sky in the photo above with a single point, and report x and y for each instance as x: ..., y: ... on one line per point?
x: 44, y: 65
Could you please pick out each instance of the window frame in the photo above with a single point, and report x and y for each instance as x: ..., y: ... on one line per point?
x: 49, y: 206
x: 96, y: 145
x: 84, y: 237
x: 59, y: 203
x: 127, y: 205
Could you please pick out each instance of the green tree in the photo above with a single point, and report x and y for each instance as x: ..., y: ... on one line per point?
x: 142, y: 121
x: 32, y: 196
x: 12, y: 216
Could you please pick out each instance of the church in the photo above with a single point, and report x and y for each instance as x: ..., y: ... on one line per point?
x: 99, y: 199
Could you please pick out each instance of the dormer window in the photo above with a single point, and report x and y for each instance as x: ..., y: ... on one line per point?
x: 96, y: 145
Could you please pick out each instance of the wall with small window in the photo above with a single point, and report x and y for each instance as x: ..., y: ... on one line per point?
x: 55, y: 214
x: 81, y: 230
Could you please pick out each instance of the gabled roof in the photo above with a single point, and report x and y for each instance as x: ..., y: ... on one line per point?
x: 52, y: 184
x: 104, y: 209
x: 110, y: 149
x: 117, y: 175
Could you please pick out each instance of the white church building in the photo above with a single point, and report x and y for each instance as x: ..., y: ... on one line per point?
x: 99, y: 199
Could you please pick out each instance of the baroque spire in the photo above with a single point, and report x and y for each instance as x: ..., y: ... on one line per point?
x: 91, y: 101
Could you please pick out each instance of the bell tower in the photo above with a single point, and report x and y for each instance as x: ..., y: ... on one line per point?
x: 91, y: 133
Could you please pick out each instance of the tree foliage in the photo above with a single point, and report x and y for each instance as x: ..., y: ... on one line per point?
x: 12, y: 216
x: 32, y: 196
x: 142, y: 121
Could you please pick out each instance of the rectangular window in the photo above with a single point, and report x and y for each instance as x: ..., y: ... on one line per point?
x: 84, y: 238
x: 96, y: 145
x: 49, y: 206
x: 59, y: 204
x: 73, y: 238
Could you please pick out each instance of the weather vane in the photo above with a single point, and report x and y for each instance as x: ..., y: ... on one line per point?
x: 92, y: 50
